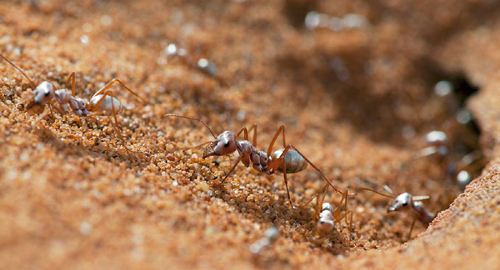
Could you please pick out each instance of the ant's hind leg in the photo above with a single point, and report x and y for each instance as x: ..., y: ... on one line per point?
x: 72, y: 80
x: 254, y: 140
x: 102, y: 90
x: 114, y: 123
x: 270, y: 148
x: 314, y: 166
x: 411, y: 229
x: 115, y: 126
x: 273, y: 167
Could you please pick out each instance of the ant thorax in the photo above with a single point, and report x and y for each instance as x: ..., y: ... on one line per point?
x: 424, y: 216
x: 249, y: 153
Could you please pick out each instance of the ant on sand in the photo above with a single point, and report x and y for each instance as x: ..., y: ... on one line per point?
x: 287, y: 160
x: 327, y: 215
x: 438, y: 144
x: 407, y: 202
x: 101, y: 103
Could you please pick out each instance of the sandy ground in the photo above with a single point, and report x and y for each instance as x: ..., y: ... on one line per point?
x: 357, y: 99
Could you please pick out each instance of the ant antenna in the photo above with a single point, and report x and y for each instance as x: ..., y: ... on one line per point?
x: 382, y: 194
x: 32, y: 83
x: 194, y: 119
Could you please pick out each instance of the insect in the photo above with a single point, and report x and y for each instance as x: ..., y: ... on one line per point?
x: 202, y: 64
x: 327, y: 215
x: 437, y: 142
x: 101, y: 103
x: 287, y: 160
x: 407, y: 202
x: 265, y: 242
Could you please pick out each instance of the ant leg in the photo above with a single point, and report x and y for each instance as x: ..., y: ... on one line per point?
x: 411, y: 229
x: 310, y: 163
x: 72, y: 79
x: 344, y: 198
x: 350, y: 226
x: 58, y: 109
x: 245, y: 134
x: 319, y: 204
x: 194, y: 119
x: 282, y: 128
x: 41, y: 117
x: 344, y: 216
x: 102, y: 90
x: 114, y: 124
x: 254, y: 141
x: 338, y: 217
x: 270, y: 148
x: 274, y: 166
x: 317, y: 199
x: 231, y: 170
x: 286, y: 183
x: 22, y: 72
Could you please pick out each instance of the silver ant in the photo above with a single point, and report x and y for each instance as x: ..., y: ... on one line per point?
x: 327, y: 215
x: 437, y: 142
x: 407, y: 202
x: 101, y: 102
x: 287, y: 160
x: 264, y: 243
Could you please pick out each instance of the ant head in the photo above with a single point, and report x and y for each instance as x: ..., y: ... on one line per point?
x: 44, y: 93
x: 403, y: 202
x: 224, y: 144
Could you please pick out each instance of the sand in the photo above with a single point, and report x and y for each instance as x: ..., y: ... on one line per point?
x: 357, y: 99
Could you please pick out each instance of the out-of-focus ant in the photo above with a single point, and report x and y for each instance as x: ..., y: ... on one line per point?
x: 407, y: 202
x: 438, y: 145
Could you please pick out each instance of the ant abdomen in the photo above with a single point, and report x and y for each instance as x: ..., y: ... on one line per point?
x: 294, y: 161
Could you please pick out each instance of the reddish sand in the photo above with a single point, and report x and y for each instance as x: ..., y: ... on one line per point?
x: 357, y: 102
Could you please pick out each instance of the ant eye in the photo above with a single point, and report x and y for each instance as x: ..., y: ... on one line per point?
x: 47, y: 93
x: 405, y: 203
x: 226, y: 145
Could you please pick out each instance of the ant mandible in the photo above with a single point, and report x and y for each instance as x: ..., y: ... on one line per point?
x: 287, y: 160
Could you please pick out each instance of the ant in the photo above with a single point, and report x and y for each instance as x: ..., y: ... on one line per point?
x: 438, y: 142
x: 202, y: 64
x: 101, y: 103
x: 407, y: 202
x: 265, y: 242
x: 287, y: 160
x: 327, y: 216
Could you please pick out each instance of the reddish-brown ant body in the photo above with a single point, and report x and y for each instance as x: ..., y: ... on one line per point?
x: 287, y: 160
